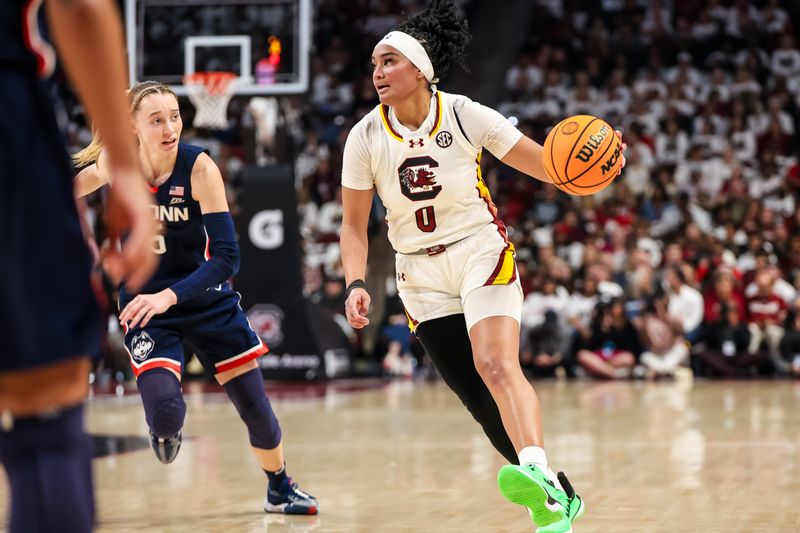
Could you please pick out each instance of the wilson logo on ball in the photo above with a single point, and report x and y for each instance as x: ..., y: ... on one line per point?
x: 587, y: 150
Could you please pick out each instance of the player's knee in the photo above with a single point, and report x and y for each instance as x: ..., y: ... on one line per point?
x: 493, y: 369
x: 168, y: 417
x: 163, y: 402
x: 247, y: 394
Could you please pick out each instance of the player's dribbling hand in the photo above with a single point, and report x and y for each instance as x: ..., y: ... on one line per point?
x: 624, y: 147
x: 356, y: 308
x: 142, y: 308
x: 129, y: 209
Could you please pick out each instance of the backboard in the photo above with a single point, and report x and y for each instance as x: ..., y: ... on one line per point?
x: 265, y: 42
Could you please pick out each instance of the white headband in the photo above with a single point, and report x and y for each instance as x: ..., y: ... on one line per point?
x: 413, y: 50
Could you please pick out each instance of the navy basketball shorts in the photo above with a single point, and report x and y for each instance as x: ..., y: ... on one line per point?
x: 49, y: 309
x: 213, y: 326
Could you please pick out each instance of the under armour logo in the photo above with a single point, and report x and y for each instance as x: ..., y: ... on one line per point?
x: 416, y: 143
x: 401, y: 276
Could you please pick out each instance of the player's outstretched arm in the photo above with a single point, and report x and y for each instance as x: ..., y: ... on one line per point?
x: 88, y: 34
x: 526, y: 156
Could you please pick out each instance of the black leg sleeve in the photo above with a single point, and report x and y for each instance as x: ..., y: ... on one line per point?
x: 447, y: 343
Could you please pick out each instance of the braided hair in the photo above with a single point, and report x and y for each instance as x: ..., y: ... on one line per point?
x: 443, y: 35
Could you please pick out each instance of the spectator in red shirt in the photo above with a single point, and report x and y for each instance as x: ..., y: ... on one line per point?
x: 775, y: 139
x: 722, y: 293
x: 766, y: 313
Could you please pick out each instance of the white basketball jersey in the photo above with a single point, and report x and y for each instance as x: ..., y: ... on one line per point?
x: 429, y: 180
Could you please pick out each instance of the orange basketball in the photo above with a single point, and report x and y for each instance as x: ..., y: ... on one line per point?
x: 582, y: 155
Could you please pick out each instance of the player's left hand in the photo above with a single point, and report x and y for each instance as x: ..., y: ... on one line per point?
x: 142, y: 308
x: 624, y: 147
x: 356, y: 308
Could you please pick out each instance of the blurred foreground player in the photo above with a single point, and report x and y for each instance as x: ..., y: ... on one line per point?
x: 50, y: 321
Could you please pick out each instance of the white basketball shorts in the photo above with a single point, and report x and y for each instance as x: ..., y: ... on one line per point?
x: 476, y: 276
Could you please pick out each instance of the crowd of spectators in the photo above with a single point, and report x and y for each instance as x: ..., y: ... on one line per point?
x: 690, y: 259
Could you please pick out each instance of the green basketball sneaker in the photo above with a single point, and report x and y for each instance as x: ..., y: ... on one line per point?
x: 576, y: 505
x: 552, y: 510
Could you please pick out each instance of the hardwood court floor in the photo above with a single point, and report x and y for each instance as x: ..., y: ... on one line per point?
x: 406, y: 457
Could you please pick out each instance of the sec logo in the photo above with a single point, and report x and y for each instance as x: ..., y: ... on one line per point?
x: 444, y: 139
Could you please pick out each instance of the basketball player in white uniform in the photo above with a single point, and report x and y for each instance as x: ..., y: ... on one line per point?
x: 420, y: 149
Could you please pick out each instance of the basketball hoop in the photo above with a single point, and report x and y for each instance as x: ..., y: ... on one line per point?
x: 210, y: 93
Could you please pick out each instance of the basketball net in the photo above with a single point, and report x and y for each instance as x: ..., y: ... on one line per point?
x: 210, y: 93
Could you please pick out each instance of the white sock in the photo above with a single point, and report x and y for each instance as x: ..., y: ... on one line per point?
x: 534, y: 455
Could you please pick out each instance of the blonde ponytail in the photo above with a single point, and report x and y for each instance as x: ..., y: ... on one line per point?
x: 90, y: 154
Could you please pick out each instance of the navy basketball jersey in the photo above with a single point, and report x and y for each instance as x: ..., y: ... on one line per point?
x: 21, y: 42
x: 183, y: 244
x: 48, y: 309
x: 213, y: 324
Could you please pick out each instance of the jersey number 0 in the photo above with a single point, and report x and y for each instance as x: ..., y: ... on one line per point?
x: 426, y: 219
x: 159, y: 242
x: 418, y: 183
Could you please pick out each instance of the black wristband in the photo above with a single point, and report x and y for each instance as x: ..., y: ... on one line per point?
x: 355, y: 284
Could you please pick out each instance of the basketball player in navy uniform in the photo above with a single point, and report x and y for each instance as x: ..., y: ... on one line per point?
x: 420, y: 149
x: 189, y: 298
x: 50, y: 321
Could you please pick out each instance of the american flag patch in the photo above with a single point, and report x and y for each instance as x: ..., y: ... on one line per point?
x: 176, y: 191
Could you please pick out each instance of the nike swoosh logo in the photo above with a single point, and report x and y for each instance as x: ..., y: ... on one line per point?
x: 554, y: 507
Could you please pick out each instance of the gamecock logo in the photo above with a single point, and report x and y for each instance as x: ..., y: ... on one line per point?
x: 417, y: 178
x: 267, y: 321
